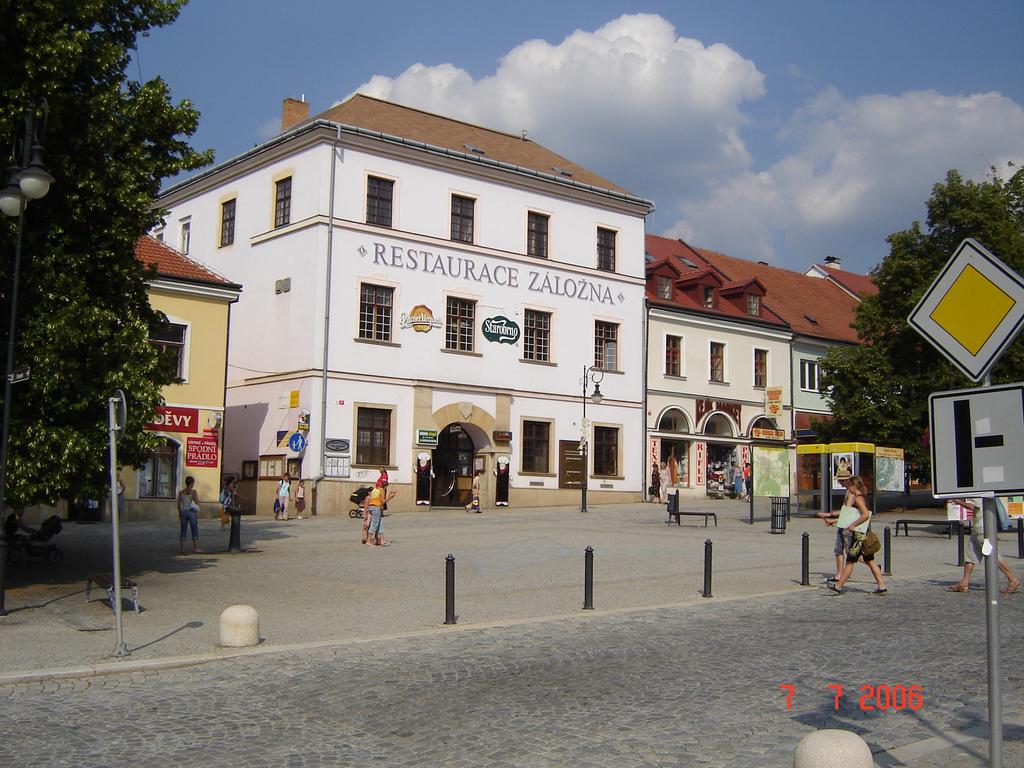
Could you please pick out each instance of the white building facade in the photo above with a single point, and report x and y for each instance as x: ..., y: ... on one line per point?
x: 423, y: 293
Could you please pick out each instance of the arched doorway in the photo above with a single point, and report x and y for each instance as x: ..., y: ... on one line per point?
x: 453, y: 467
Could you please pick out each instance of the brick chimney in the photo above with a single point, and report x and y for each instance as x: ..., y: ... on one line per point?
x: 833, y: 262
x: 293, y: 112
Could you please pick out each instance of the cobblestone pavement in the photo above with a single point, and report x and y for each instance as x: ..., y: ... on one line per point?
x: 690, y: 685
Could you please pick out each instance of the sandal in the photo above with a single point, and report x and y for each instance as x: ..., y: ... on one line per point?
x: 834, y: 588
x: 1011, y: 589
x: 956, y: 588
x: 880, y: 592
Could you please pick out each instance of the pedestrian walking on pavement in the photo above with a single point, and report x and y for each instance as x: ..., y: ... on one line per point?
x: 300, y: 499
x: 188, y: 507
x: 284, y: 493
x: 974, y: 553
x: 664, y: 478
x: 854, y: 535
x: 373, y: 505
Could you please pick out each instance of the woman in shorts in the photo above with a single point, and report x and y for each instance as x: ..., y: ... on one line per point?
x: 853, y: 536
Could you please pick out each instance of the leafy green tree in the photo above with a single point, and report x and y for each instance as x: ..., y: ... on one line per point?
x: 84, y: 319
x: 879, y: 390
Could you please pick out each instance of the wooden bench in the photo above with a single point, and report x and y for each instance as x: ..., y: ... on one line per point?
x: 949, y: 525
x: 678, y: 516
x: 105, y: 581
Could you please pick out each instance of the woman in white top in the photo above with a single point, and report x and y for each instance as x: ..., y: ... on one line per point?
x: 854, y: 531
x: 283, y: 495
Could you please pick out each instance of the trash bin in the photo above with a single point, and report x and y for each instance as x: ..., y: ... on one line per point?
x: 673, y: 502
x: 780, y: 511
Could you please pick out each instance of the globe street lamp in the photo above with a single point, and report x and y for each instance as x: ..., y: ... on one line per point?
x: 29, y: 180
x: 594, y: 374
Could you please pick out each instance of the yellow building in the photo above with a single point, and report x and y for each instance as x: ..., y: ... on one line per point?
x: 197, y: 302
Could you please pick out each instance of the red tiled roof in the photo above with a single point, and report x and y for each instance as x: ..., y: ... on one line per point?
x: 862, y: 285
x: 673, y: 252
x: 169, y: 262
x: 408, y: 123
x: 796, y: 297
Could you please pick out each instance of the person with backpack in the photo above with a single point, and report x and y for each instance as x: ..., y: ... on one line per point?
x: 229, y: 498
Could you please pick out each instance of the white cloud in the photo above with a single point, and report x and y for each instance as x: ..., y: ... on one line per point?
x: 663, y: 116
x: 857, y: 170
x: 632, y: 94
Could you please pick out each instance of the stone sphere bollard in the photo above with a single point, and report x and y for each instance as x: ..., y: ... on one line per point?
x: 239, y: 626
x: 832, y: 748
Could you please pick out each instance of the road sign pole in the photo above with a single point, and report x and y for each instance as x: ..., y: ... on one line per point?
x: 995, y: 695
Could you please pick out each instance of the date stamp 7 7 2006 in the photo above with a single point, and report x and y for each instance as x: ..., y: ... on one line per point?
x: 873, y: 697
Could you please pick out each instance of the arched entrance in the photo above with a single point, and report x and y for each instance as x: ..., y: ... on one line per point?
x: 453, y: 467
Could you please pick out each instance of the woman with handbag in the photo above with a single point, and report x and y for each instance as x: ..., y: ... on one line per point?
x: 855, y: 536
x: 188, y: 506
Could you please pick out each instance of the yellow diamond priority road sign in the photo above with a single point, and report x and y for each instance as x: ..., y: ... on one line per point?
x: 972, y: 311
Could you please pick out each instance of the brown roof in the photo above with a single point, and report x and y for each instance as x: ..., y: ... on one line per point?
x: 169, y: 262
x: 465, y: 138
x: 862, y: 285
x: 692, y: 266
x: 811, y: 306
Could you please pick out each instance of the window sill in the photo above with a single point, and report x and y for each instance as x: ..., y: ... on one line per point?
x: 538, y: 362
x: 376, y: 342
x: 537, y: 474
x: 719, y: 383
x: 461, y: 352
x: 675, y: 376
x: 608, y: 477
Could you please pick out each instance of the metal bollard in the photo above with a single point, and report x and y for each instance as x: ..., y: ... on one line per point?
x: 1020, y: 538
x: 805, y: 560
x: 588, y: 579
x: 960, y: 544
x: 449, y: 589
x: 707, y: 569
x: 887, y: 554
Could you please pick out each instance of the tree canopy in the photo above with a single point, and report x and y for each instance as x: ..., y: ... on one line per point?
x: 83, y: 316
x: 879, y: 390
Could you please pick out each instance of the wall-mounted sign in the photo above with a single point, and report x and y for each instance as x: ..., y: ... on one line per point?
x: 171, y: 419
x: 336, y: 445
x: 426, y: 437
x: 773, y: 400
x: 297, y: 442
x: 501, y: 329
x: 201, y: 452
x: 420, y: 318
x: 768, y: 434
x: 571, y: 286
x: 293, y: 398
x: 502, y: 436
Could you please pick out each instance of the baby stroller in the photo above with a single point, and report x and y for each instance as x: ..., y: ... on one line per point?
x: 38, y: 545
x: 357, y: 498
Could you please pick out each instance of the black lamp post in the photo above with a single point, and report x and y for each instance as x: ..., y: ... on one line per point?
x: 594, y: 374
x: 29, y: 180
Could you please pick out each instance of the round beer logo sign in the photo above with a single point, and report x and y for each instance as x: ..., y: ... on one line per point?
x: 420, y: 318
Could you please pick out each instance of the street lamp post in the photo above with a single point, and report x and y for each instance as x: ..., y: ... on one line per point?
x: 29, y: 180
x: 594, y: 374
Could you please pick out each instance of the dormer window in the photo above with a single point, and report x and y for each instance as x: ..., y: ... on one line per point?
x: 753, y: 305
x: 709, y: 296
x: 664, y: 287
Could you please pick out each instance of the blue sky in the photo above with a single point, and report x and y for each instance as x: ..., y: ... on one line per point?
x: 784, y: 131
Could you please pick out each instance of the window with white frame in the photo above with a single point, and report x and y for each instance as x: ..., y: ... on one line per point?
x: 158, y: 478
x: 717, y: 361
x: 664, y: 287
x: 709, y: 297
x: 170, y: 340
x: 606, y: 345
x: 375, y: 302
x: 460, y: 324
x: 227, y: 222
x: 536, y: 335
x: 186, y: 237
x: 809, y: 375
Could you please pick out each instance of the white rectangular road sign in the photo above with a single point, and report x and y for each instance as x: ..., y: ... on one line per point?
x: 977, y: 438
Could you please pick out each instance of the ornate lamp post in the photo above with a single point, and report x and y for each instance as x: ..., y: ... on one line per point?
x: 594, y: 374
x: 29, y: 180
